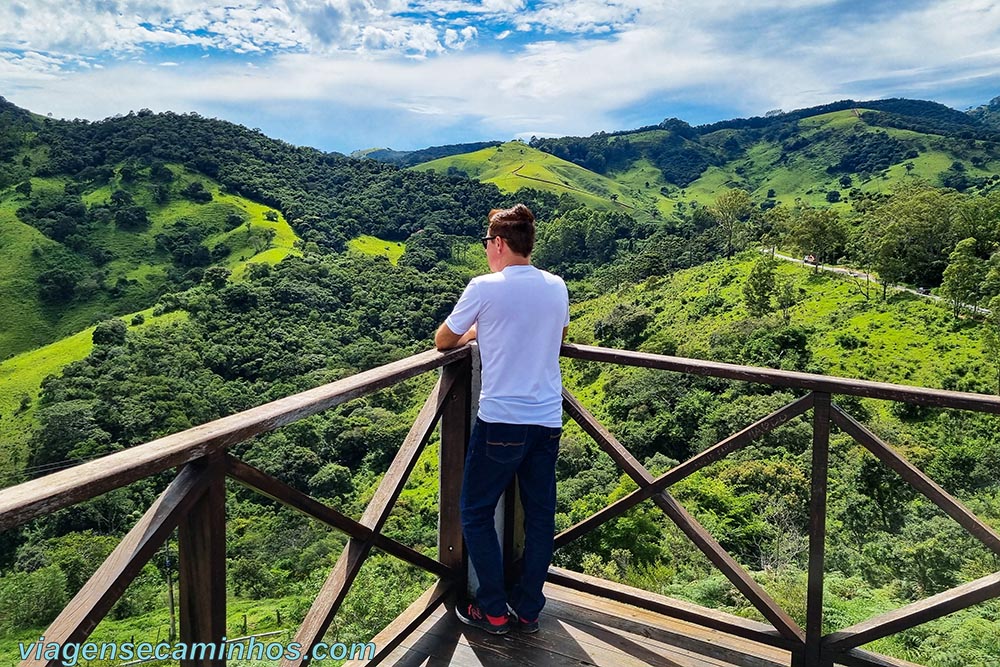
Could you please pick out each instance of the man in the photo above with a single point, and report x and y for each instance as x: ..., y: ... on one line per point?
x: 519, y: 315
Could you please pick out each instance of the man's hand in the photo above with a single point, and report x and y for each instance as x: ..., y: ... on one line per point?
x: 446, y: 339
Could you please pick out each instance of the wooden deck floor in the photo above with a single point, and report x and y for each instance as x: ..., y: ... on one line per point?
x: 582, y: 630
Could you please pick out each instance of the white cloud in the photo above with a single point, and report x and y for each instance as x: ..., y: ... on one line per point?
x: 741, y: 56
x: 457, y: 39
x: 584, y: 16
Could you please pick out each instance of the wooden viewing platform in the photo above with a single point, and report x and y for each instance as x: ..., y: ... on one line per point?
x: 581, y: 630
x: 589, y: 621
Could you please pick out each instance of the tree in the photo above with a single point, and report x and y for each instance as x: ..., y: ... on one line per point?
x: 216, y: 276
x: 625, y: 325
x: 759, y: 287
x: 914, y: 234
x: 731, y: 211
x: 819, y: 232
x: 786, y: 299
x: 131, y: 217
x: 23, y: 188
x: 110, y: 332
x: 963, y: 276
x: 121, y: 199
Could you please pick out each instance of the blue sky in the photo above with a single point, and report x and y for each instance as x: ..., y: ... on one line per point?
x: 348, y: 74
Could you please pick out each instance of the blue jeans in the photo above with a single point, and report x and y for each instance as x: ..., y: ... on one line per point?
x: 496, y: 453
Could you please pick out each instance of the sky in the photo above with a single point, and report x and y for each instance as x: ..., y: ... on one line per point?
x: 341, y: 75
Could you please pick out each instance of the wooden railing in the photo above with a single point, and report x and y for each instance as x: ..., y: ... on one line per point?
x: 194, y: 504
x: 809, y: 647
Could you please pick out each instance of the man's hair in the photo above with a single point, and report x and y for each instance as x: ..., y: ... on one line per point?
x: 517, y: 227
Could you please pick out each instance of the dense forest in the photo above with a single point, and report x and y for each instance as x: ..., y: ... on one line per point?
x: 222, y: 337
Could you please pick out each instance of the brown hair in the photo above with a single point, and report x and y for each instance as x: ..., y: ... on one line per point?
x: 517, y: 227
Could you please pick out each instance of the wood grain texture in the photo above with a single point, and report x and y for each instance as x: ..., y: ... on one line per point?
x: 45, y: 495
x: 79, y: 618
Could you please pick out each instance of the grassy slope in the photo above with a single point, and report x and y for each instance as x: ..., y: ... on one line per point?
x: 908, y: 340
x: 515, y: 165
x: 371, y: 245
x: 21, y: 375
x: 803, y: 175
x: 22, y: 249
x: 800, y: 176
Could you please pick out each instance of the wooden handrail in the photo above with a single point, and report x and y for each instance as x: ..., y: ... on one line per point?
x: 24, y: 502
x: 829, y: 384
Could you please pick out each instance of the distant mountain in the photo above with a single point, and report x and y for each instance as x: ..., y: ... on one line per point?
x: 819, y: 156
x: 410, y: 158
x: 988, y: 114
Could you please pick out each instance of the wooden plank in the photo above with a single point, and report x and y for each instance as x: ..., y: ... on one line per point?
x: 45, y: 495
x: 697, y: 462
x: 660, y: 629
x: 671, y: 639
x: 277, y: 490
x: 455, y: 431
x: 337, y: 585
x: 778, y: 378
x: 201, y: 546
x: 920, y: 481
x: 403, y: 625
x: 739, y: 577
x: 588, y: 630
x: 817, y: 532
x: 564, y: 643
x: 914, y: 614
x: 79, y: 618
x: 673, y: 608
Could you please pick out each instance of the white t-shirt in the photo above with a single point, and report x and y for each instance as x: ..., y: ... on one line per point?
x: 521, y: 312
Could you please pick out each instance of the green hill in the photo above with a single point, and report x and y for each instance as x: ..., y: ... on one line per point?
x: 68, y: 260
x: 411, y: 158
x: 515, y: 165
x: 822, y: 156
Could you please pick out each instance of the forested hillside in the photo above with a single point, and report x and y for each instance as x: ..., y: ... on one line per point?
x: 219, y: 269
x: 820, y: 156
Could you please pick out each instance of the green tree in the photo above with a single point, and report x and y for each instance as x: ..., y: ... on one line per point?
x: 914, y: 234
x: 759, y: 287
x: 110, y: 332
x: 31, y: 599
x: 818, y: 232
x: 963, y: 276
x: 732, y: 211
x: 786, y: 299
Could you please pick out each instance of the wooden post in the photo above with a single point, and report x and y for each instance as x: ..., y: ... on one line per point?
x: 201, y: 546
x: 455, y: 428
x: 813, y: 654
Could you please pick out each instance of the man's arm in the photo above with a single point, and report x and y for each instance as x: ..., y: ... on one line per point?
x: 446, y: 339
x: 565, y: 331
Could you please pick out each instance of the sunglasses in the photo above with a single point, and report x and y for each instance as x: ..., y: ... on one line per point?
x: 486, y: 240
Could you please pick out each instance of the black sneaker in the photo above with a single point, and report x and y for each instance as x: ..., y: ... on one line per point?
x: 521, y: 625
x: 471, y: 614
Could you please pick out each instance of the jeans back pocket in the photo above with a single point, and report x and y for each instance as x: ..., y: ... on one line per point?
x: 505, y: 442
